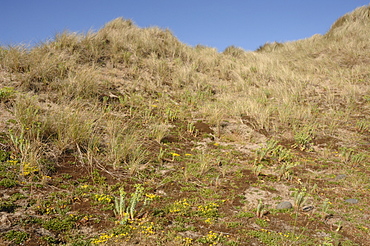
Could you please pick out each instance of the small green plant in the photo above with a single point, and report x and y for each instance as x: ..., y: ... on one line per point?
x: 260, y: 209
x: 262, y: 222
x: 357, y: 159
x: 257, y: 168
x: 120, y: 209
x: 303, y: 137
x: 161, y: 155
x: 191, y: 129
x: 328, y: 241
x: 212, y: 238
x: 284, y: 170
x: 4, y: 155
x: 326, y: 205
x: 18, y: 141
x: 127, y: 209
x: 17, y: 237
x: 209, y: 211
x: 171, y: 114
x: 349, y: 156
x: 264, y: 152
x: 60, y: 224
x: 339, y: 226
x: 266, y: 237
x: 245, y: 215
x: 281, y: 154
x: 66, y: 176
x: 273, y: 152
x: 6, y: 93
x: 346, y: 153
x: 181, y: 207
x: 299, y: 198
x: 363, y: 126
x: 8, y: 183
x: 97, y: 177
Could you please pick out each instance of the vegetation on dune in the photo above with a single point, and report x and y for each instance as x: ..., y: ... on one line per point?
x: 127, y: 136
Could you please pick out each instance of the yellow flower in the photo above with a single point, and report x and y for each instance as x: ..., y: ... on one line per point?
x: 208, y: 220
x: 151, y: 196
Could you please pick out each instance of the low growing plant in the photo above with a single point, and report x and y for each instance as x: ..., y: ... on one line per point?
x: 8, y: 183
x: 303, y: 137
x: 17, y: 237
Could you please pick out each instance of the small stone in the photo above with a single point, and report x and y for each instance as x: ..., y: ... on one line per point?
x: 44, y: 232
x: 284, y: 205
x: 307, y: 208
x: 340, y: 176
x: 5, y: 223
x: 351, y: 200
x: 190, y: 234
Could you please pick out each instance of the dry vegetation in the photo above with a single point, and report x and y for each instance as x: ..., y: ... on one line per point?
x: 96, y: 126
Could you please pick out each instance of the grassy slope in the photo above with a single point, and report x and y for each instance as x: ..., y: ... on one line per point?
x: 87, y: 114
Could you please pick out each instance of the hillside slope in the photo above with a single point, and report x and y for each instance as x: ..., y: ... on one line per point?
x: 213, y: 140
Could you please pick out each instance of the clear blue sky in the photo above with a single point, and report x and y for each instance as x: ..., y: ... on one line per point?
x: 215, y: 23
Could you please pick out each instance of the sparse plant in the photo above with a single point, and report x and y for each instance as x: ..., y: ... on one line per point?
x: 357, y: 159
x: 212, y: 238
x: 161, y: 154
x: 263, y: 152
x: 137, y: 160
x: 346, y: 153
x: 273, y: 152
x: 257, y: 168
x: 262, y: 222
x: 6, y: 93
x: 350, y: 156
x: 8, y: 183
x: 326, y: 206
x: 159, y: 132
x: 204, y: 161
x: 260, y: 208
x: 284, y: 170
x: 17, y: 237
x: 181, y: 207
x: 60, y: 224
x: 303, y: 137
x: 363, y: 126
x: 171, y: 114
x: 120, y: 209
x: 126, y: 209
x: 191, y: 129
x: 281, y: 154
x: 299, y: 198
